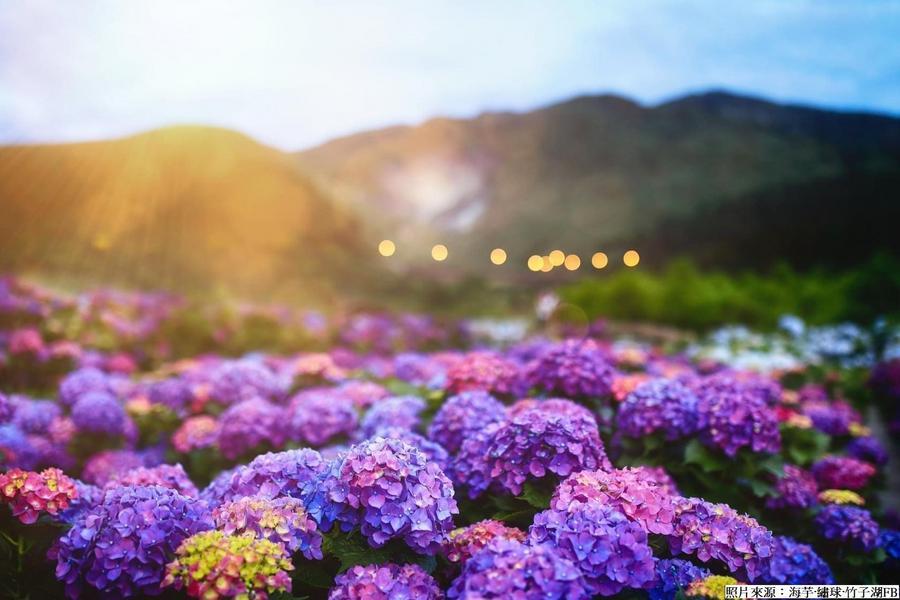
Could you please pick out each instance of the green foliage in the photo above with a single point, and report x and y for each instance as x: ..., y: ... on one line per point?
x: 684, y: 296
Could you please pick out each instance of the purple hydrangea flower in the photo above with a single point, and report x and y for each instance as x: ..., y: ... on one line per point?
x: 610, y: 549
x: 175, y: 393
x: 795, y: 564
x: 633, y: 491
x: 362, y: 393
x: 280, y: 520
x: 848, y: 525
x: 718, y: 532
x: 869, y: 449
x: 16, y: 449
x: 316, y: 417
x: 6, y: 409
x: 796, y: 488
x: 530, y: 445
x: 219, y: 489
x: 735, y: 417
x: 99, y: 412
x: 88, y: 497
x: 660, y: 405
x: 397, y: 411
x: 293, y: 473
x: 250, y: 425
x: 170, y: 476
x: 240, y: 380
x: 463, y: 415
x: 885, y: 378
x: 121, y: 546
x: 573, y: 368
x: 674, y: 575
x: 77, y: 383
x: 510, y: 569
x: 385, y: 582
x: 104, y: 465
x: 842, y: 472
x: 485, y: 371
x: 833, y: 418
x: 432, y: 450
x: 35, y: 416
x: 390, y: 490
x: 196, y: 433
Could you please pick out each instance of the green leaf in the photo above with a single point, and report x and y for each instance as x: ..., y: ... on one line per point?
x: 351, y: 550
x: 536, y: 495
x: 761, y: 488
x: 698, y: 454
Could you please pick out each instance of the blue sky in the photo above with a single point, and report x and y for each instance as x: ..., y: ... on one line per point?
x: 294, y: 73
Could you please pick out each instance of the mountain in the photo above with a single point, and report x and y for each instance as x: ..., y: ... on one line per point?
x: 731, y: 181
x: 182, y: 208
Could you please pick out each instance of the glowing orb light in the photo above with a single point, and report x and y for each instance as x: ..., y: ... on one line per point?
x: 498, y: 256
x: 386, y: 248
x: 439, y: 252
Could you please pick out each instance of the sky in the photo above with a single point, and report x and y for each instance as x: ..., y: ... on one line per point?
x: 294, y: 73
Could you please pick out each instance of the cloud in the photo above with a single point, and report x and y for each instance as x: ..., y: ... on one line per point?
x: 294, y: 73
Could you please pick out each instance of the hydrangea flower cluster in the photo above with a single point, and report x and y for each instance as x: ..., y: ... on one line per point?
x: 485, y: 371
x: 196, y: 433
x: 432, y: 450
x: 733, y: 418
x: 362, y: 393
x: 316, y: 417
x: 385, y: 582
x: 848, y: 525
x: 632, y: 491
x: 573, y: 368
x: 842, y: 472
x: 77, y: 383
x: 530, y: 445
x: 511, y: 569
x: 249, y: 425
x: 833, y: 418
x: 674, y: 575
x: 794, y: 563
x: 398, y: 411
x: 464, y: 542
x: 659, y: 405
x: 104, y: 465
x: 712, y: 587
x: 281, y: 520
x: 170, y: 476
x: 240, y: 380
x: 868, y: 449
x: 796, y: 488
x: 6, y: 409
x: 99, y: 412
x: 462, y: 416
x: 120, y: 546
x: 174, y: 392
x: 889, y: 541
x: 390, y: 490
x: 841, y: 497
x: 212, y: 565
x: 31, y: 494
x: 35, y: 416
x: 610, y: 549
x: 718, y: 532
x: 292, y: 473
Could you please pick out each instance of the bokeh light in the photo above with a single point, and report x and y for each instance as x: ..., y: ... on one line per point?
x: 439, y: 252
x: 631, y: 258
x: 498, y: 256
x: 387, y: 248
x: 572, y: 262
x: 599, y: 260
x: 557, y: 257
x: 546, y: 264
x: 535, y: 262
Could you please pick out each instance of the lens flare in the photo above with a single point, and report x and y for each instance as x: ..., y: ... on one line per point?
x: 631, y: 258
x: 387, y: 248
x: 439, y: 252
x: 599, y: 260
x: 498, y: 256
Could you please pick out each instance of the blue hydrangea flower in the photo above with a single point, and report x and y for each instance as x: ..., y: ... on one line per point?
x: 35, y: 416
x: 99, y: 412
x: 397, y: 411
x: 463, y: 415
x: 660, y: 405
x: 77, y: 383
x: 794, y: 563
x: 848, y: 525
x: 293, y: 473
x: 674, y: 575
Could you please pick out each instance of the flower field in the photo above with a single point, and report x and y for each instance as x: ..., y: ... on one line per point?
x: 154, y: 447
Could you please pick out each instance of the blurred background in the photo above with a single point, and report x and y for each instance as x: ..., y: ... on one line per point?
x: 686, y: 163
